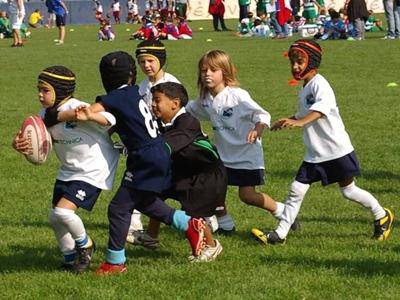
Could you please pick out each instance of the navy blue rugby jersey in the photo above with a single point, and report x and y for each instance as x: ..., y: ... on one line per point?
x: 148, y: 162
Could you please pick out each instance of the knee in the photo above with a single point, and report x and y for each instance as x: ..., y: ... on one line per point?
x: 297, y: 190
x: 53, y: 220
x: 347, y: 191
x: 247, y: 196
x: 60, y: 216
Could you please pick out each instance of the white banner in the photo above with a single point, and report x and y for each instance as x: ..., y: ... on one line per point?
x: 199, y: 8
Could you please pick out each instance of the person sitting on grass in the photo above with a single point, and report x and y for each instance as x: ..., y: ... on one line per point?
x: 330, y: 156
x: 105, y: 33
x: 35, y: 19
x: 5, y: 25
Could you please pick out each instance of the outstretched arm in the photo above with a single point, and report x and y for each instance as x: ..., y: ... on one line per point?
x: 86, y: 113
x: 293, y: 122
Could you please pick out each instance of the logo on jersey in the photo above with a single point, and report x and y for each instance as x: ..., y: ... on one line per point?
x: 227, y: 113
x: 81, y: 194
x: 310, y: 100
x: 128, y: 176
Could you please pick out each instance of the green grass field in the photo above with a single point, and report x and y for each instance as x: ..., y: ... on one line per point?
x: 332, y: 257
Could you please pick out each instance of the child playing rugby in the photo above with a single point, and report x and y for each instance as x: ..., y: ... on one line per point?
x: 330, y: 156
x: 238, y: 122
x: 88, y: 163
x: 202, y: 187
x: 147, y: 166
x: 151, y: 56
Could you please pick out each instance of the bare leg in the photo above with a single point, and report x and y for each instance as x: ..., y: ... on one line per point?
x: 250, y: 196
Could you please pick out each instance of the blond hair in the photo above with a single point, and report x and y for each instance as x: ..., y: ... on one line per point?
x: 217, y: 60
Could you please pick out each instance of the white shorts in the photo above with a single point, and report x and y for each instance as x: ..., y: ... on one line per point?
x: 16, y: 21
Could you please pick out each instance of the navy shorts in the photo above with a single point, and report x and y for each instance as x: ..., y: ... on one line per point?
x: 61, y: 20
x: 331, y: 171
x: 243, y: 177
x: 81, y: 193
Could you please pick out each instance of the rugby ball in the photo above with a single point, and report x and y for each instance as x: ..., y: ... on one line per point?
x: 34, y: 130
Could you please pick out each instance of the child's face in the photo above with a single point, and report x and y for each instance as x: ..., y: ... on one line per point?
x: 149, y: 65
x: 163, y: 107
x: 212, y: 79
x: 298, y: 63
x: 46, y: 95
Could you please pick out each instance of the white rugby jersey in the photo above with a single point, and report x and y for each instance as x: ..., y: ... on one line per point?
x: 233, y: 114
x: 326, y: 138
x: 146, y: 85
x: 84, y: 149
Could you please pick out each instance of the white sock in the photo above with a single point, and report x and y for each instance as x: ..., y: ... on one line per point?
x: 225, y: 222
x: 354, y: 193
x: 279, y: 210
x: 297, y: 191
x: 63, y: 237
x: 136, y: 222
x: 72, y: 223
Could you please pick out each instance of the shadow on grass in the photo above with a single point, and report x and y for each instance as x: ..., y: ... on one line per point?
x: 357, y: 267
x: 26, y: 258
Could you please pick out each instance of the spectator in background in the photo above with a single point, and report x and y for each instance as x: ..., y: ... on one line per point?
x: 357, y: 13
x: 5, y: 26
x: 35, y: 19
x: 392, y: 13
x: 244, y: 6
x: 116, y: 8
x: 51, y: 19
x: 105, y: 33
x: 373, y: 24
x: 185, y: 32
x: 59, y: 8
x: 334, y: 28
x: 295, y: 4
x: 216, y: 8
x: 181, y: 7
x: 17, y: 12
x: 147, y: 31
x: 133, y: 12
x: 98, y: 8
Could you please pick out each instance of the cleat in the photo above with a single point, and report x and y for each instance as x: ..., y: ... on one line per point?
x: 195, y: 235
x: 296, y: 225
x: 383, y: 227
x: 208, y: 254
x: 84, y: 257
x: 142, y: 238
x: 66, y: 267
x: 109, y: 269
x: 267, y: 238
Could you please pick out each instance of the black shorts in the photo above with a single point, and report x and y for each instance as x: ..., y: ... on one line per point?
x: 61, y: 20
x: 202, y: 194
x: 331, y: 171
x: 243, y: 177
x: 81, y: 193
